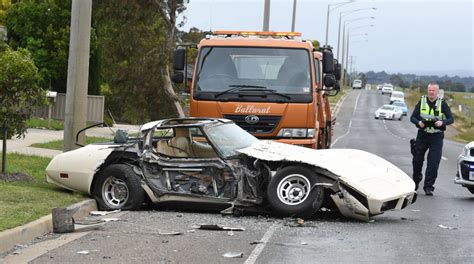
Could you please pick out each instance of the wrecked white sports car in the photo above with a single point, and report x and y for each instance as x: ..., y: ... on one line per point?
x: 215, y: 161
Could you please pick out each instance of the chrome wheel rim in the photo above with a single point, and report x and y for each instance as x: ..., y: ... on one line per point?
x: 115, y: 192
x: 293, y: 189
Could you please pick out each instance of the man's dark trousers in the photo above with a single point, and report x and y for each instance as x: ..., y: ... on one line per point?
x: 433, y: 142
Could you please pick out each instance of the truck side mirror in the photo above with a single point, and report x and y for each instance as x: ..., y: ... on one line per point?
x: 328, y: 62
x: 337, y: 71
x: 178, y: 77
x: 329, y: 80
x: 179, y: 59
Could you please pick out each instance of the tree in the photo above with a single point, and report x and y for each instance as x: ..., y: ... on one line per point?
x: 169, y: 9
x: 19, y: 89
x: 43, y: 27
x: 131, y: 39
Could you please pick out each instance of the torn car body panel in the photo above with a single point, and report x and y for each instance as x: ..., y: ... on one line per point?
x: 372, y: 179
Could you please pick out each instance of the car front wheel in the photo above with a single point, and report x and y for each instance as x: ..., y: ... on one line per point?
x: 118, y: 187
x: 292, y: 192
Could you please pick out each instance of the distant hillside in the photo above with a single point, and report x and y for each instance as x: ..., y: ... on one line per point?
x: 412, y: 80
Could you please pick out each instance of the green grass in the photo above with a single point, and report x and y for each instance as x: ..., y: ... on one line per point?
x: 23, y: 202
x: 43, y: 123
x: 58, y: 144
x: 336, y: 98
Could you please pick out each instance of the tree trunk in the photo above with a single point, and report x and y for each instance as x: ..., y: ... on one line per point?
x: 171, y: 94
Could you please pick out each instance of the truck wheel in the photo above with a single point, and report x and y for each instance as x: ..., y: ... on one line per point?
x: 118, y: 187
x: 291, y: 192
x: 471, y: 189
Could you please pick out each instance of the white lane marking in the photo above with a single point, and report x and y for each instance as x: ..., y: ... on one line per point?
x: 259, y: 248
x: 347, y: 133
x: 390, y: 132
x: 444, y: 158
x: 357, y: 101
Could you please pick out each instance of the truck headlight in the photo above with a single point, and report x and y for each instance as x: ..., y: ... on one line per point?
x: 296, y: 132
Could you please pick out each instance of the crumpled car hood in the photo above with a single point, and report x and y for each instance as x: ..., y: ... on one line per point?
x: 365, y: 171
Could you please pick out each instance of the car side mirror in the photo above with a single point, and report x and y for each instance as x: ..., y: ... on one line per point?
x: 179, y: 58
x: 329, y: 80
x: 328, y: 62
x: 178, y: 77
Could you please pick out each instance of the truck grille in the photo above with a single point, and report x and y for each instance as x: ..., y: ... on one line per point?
x: 265, y: 124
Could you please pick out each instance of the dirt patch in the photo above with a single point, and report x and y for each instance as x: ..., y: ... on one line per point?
x: 16, y: 177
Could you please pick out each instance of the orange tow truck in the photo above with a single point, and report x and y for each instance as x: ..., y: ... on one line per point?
x: 272, y: 84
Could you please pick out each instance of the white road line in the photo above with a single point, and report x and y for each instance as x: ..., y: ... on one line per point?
x: 259, y: 248
x: 357, y: 101
x: 347, y: 133
x: 444, y: 158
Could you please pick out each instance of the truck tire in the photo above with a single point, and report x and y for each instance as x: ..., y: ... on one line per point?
x: 291, y: 192
x: 118, y: 187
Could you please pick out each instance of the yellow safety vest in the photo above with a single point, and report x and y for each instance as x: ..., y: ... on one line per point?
x: 430, y: 114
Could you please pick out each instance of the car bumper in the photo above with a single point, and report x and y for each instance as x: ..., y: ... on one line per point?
x: 459, y: 180
x: 306, y: 142
x: 355, y: 205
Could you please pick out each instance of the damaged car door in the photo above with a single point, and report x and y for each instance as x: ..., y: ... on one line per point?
x: 183, y: 166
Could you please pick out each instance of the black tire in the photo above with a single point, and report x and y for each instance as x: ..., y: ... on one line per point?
x: 118, y: 187
x: 471, y: 189
x: 305, y: 200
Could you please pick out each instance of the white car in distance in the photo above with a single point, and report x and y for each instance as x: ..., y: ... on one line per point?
x: 389, y: 112
x: 397, y: 96
x: 387, y: 89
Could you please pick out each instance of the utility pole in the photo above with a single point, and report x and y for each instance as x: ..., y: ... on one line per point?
x: 294, y: 17
x: 352, y: 68
x: 266, y: 16
x: 77, y: 72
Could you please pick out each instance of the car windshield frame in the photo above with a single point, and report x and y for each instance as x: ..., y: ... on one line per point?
x: 227, y: 138
x: 280, y: 70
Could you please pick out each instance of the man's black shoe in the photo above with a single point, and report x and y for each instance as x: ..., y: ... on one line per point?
x: 416, y: 186
x: 428, y: 193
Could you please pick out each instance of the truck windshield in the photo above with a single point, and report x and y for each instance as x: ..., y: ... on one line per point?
x: 280, y: 71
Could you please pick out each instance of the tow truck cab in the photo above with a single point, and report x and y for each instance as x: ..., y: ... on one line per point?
x: 272, y: 84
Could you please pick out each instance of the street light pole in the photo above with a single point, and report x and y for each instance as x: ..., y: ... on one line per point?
x: 347, y: 48
x: 341, y: 15
x: 344, y: 58
x: 266, y: 15
x: 294, y: 17
x: 336, y: 5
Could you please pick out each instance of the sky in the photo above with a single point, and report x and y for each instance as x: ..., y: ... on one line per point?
x: 422, y: 37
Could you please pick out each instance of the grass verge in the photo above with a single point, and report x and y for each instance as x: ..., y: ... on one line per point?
x: 43, y: 123
x: 58, y: 144
x: 23, y: 202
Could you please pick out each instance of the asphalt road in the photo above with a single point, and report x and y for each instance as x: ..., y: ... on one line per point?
x: 412, y: 235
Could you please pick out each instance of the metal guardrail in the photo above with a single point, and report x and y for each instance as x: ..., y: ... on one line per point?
x: 95, y: 108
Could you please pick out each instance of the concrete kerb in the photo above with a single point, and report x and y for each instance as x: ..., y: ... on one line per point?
x: 26, y: 233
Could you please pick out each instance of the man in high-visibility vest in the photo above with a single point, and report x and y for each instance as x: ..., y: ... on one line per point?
x: 431, y: 115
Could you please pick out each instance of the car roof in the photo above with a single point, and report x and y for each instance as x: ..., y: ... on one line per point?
x: 397, y: 92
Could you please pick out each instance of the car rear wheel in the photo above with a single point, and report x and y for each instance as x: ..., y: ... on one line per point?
x: 118, y: 187
x: 292, y: 192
